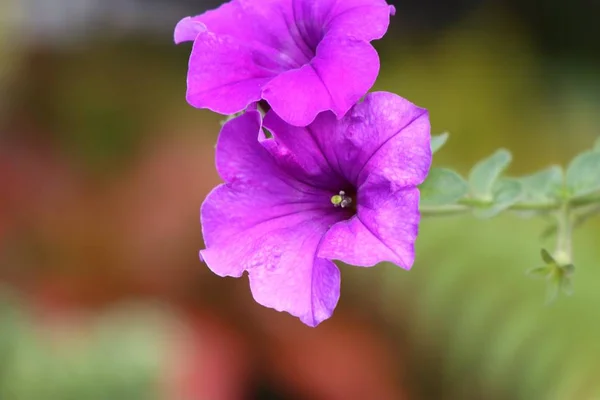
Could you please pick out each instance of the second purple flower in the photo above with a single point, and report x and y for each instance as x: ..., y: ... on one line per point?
x: 334, y: 190
x: 301, y: 56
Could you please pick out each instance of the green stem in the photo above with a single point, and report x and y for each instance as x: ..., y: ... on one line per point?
x: 564, y: 248
x: 439, y: 211
x: 467, y: 205
x: 586, y: 200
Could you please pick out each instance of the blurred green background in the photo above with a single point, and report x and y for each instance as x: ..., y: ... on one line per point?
x: 103, y: 166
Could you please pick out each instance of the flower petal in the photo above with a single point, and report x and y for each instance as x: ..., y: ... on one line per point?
x: 187, y: 29
x: 363, y: 19
x: 264, y: 222
x: 384, y: 229
x: 296, y: 150
x: 343, y: 70
x: 301, y: 284
x: 266, y: 22
x: 400, y: 150
x: 225, y: 75
x: 360, y: 19
x: 277, y: 245
x: 384, y: 138
x: 246, y: 165
x: 248, y: 20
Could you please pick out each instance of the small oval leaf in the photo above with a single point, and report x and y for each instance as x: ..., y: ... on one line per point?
x: 485, y: 173
x: 438, y: 141
x: 543, y: 186
x: 568, y: 269
x: 566, y: 286
x: 539, y: 272
x: 583, y: 174
x: 442, y: 187
x: 552, y: 289
x: 548, y: 259
x: 506, y: 193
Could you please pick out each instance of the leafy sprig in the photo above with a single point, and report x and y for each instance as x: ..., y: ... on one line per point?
x: 567, y: 197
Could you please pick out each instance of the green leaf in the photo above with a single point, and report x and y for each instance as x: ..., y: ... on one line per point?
x: 506, y: 193
x: 539, y: 272
x: 559, y: 280
x: 568, y: 269
x: 438, y: 141
x: 485, y: 173
x: 543, y: 186
x: 548, y: 259
x: 442, y: 187
x: 583, y: 174
x: 552, y: 289
x: 549, y: 231
x: 566, y: 286
x: 597, y: 145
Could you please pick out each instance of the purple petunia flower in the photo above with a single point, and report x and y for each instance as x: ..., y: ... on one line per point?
x: 336, y: 189
x: 301, y: 56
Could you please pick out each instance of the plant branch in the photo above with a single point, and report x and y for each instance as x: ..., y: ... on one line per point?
x: 468, y: 205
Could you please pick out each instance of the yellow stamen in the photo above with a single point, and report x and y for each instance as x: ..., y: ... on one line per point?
x: 336, y: 200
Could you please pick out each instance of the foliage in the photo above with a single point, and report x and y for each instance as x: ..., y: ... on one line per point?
x: 569, y: 197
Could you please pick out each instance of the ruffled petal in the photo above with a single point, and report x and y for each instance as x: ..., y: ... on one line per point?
x: 239, y: 222
x: 266, y: 22
x: 246, y: 165
x: 402, y: 159
x: 225, y: 75
x: 362, y: 19
x: 384, y: 229
x: 187, y: 29
x: 301, y: 284
x: 265, y: 222
x: 343, y: 70
x: 384, y: 137
x: 277, y: 245
x: 296, y: 149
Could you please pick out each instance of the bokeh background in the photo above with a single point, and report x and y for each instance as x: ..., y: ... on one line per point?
x: 103, y: 166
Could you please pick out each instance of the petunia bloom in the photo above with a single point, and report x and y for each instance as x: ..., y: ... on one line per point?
x: 301, y: 56
x: 334, y: 190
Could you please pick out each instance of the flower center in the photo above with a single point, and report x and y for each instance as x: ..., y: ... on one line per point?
x: 341, y: 200
x: 345, y: 202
